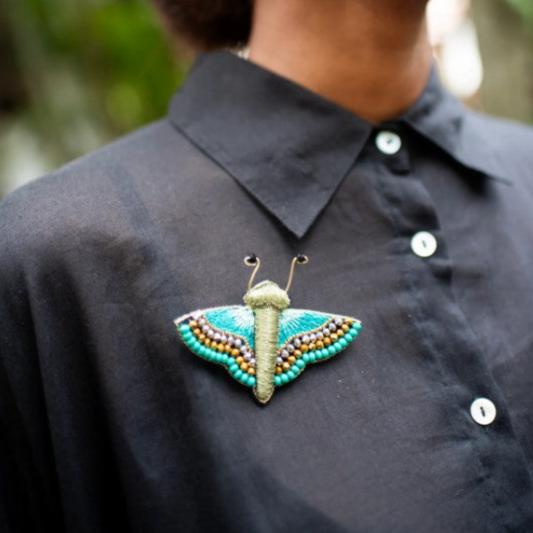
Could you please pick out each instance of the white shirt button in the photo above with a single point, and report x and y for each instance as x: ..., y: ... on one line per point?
x: 388, y: 142
x: 423, y: 244
x: 483, y: 411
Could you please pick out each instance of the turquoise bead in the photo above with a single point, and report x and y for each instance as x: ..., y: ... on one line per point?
x: 233, y: 367
x: 305, y: 357
x: 277, y: 381
x: 184, y: 328
x: 202, y: 351
x: 284, y: 379
x: 343, y: 342
x: 291, y: 375
x: 348, y: 337
x: 252, y: 381
x: 300, y: 363
x: 311, y: 358
x: 238, y: 374
x: 331, y: 349
x: 224, y: 358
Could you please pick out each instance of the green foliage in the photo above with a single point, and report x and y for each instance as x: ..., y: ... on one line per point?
x: 92, y: 70
x: 524, y: 8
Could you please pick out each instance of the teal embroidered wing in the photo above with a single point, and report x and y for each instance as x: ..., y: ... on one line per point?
x: 307, y: 337
x: 223, y: 335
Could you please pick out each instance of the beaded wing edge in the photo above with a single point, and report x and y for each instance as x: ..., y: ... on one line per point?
x: 236, y: 352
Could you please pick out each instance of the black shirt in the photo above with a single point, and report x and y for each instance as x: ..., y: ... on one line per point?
x: 422, y: 228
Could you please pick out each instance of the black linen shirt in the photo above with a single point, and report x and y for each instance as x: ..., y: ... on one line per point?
x: 109, y: 423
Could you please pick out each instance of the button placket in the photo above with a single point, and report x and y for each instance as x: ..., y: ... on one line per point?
x: 438, y: 325
x: 411, y: 208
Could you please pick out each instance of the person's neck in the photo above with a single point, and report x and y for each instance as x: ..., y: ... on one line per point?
x: 371, y: 57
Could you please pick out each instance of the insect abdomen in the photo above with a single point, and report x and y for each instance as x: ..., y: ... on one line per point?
x: 266, y: 340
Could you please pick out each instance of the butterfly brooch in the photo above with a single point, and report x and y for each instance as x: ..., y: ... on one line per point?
x: 264, y: 344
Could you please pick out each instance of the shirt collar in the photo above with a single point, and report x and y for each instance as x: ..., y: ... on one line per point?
x: 291, y: 148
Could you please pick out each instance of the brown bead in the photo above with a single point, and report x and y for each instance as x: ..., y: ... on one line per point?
x: 345, y: 327
x: 251, y: 371
x: 327, y: 341
x: 235, y: 352
x: 312, y: 346
x: 278, y: 370
x: 349, y: 321
x: 319, y: 344
x: 193, y: 324
x: 333, y: 337
x: 239, y: 360
x: 201, y: 337
x: 339, y: 333
x: 227, y: 348
x: 291, y: 359
x: 207, y: 342
x: 286, y: 366
x: 304, y: 348
x: 297, y: 353
x: 221, y: 347
x: 244, y: 367
x: 197, y: 331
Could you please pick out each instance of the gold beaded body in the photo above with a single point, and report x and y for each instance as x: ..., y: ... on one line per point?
x: 267, y: 300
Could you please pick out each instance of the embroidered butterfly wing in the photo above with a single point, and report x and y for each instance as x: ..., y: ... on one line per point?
x: 223, y: 335
x: 307, y: 337
x: 226, y: 335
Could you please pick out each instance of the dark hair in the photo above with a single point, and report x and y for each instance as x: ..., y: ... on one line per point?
x: 209, y: 24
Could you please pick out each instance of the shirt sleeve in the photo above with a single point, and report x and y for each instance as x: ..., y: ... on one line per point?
x: 28, y: 487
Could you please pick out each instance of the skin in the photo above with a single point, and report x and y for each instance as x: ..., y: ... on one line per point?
x: 371, y: 57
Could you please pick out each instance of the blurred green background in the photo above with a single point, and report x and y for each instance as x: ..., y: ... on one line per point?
x: 75, y: 74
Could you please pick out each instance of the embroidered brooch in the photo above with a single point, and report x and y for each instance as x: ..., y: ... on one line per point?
x: 265, y: 344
